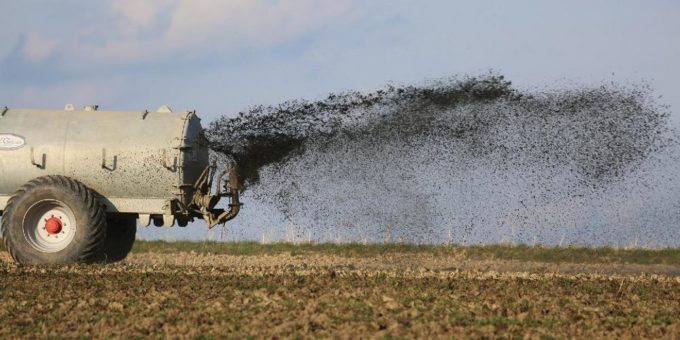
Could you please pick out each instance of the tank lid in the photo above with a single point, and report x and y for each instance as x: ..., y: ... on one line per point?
x: 90, y: 107
x: 164, y: 108
x: 69, y: 107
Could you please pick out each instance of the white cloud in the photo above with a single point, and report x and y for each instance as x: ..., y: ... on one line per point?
x: 255, y: 23
x: 145, y: 31
x: 134, y: 16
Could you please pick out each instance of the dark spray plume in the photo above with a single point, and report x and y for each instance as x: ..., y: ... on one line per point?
x: 271, y: 135
x: 455, y: 160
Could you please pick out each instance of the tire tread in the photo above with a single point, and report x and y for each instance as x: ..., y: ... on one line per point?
x: 96, y: 232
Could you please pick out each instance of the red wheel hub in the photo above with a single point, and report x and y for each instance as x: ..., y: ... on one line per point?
x: 53, y: 225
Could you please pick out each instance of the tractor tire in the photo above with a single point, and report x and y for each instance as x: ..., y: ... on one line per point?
x: 54, y: 220
x: 120, y: 236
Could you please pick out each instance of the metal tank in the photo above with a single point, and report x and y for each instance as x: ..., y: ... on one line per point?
x: 150, y: 165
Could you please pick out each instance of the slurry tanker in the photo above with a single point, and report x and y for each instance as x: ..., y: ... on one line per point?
x: 74, y: 184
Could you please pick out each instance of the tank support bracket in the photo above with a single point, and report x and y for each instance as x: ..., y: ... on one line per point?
x: 145, y: 220
x: 164, y: 161
x: 113, y: 165
x: 43, y: 160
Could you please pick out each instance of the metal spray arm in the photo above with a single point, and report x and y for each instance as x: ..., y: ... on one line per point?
x: 206, y: 201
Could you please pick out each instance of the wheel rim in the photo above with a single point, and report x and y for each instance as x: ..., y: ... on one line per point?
x: 49, y: 226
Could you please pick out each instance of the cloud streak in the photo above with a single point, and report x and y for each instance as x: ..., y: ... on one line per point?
x: 140, y: 32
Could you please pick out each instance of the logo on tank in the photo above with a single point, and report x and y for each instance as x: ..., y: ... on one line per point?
x: 10, y: 141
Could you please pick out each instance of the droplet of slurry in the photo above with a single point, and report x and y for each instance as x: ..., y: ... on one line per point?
x: 463, y: 160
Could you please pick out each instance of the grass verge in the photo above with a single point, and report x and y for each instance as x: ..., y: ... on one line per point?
x: 604, y: 255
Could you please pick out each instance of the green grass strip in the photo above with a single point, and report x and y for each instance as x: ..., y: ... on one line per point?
x: 668, y: 256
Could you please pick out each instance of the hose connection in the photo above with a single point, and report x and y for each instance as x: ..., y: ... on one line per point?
x: 205, y: 201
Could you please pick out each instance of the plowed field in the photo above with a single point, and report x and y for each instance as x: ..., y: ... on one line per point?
x: 347, y: 292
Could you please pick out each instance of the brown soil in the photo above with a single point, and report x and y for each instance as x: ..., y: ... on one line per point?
x: 316, y: 295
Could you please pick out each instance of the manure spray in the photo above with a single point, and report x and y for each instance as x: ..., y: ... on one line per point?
x: 461, y: 160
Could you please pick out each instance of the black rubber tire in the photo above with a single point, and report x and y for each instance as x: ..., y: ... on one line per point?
x: 89, y: 215
x: 120, y: 236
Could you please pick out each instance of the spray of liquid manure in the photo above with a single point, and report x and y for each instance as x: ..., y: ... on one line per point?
x: 462, y: 160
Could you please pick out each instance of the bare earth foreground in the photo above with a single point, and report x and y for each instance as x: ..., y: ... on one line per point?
x: 347, y: 291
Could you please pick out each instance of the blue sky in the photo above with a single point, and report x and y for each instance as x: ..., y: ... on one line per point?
x: 221, y: 56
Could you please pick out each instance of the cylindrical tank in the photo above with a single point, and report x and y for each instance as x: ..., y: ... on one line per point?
x: 137, y: 162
